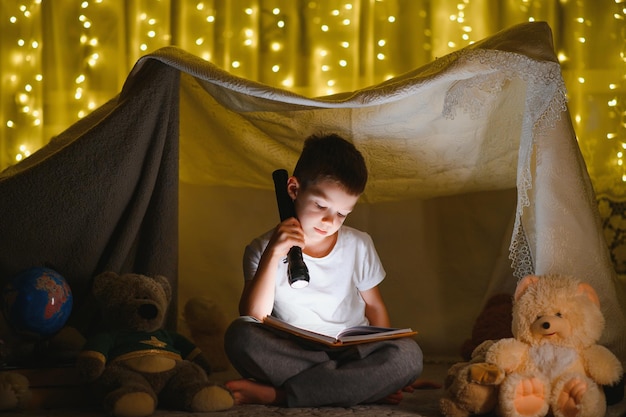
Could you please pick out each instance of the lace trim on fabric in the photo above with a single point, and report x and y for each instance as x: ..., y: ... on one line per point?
x: 545, y: 102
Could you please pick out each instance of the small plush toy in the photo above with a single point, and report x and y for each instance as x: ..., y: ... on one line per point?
x: 135, y: 363
x: 471, y: 387
x: 207, y: 325
x: 553, y: 363
x: 15, y: 393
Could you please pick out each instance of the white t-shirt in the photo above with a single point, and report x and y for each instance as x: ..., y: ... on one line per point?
x: 331, y: 301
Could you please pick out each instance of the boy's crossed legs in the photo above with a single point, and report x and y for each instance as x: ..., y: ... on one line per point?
x: 279, y: 370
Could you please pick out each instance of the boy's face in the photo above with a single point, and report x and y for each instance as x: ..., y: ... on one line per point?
x: 321, y: 208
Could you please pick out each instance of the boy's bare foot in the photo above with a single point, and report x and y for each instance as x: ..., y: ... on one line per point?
x: 247, y: 391
x: 421, y: 384
x: 396, y: 397
x: 392, y: 399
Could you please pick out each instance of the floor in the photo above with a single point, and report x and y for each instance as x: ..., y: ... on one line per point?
x: 422, y: 403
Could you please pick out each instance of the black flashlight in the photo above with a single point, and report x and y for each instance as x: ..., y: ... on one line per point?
x: 297, y: 271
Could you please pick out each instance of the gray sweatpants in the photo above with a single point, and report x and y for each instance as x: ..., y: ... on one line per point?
x: 314, y: 375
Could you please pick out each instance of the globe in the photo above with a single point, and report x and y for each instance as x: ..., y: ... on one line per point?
x: 37, y: 302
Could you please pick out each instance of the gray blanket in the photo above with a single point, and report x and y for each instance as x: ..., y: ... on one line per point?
x: 100, y: 196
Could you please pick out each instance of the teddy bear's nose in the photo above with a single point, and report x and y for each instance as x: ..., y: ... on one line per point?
x: 546, y: 325
x: 148, y: 311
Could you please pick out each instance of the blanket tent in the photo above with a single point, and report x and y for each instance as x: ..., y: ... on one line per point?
x: 476, y: 179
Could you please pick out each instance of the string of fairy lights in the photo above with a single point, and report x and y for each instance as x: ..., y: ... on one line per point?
x: 617, y: 104
x: 313, y: 47
x: 87, y: 41
x: 24, y: 78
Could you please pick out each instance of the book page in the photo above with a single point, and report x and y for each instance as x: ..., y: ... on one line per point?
x: 309, y: 334
x: 374, y: 333
x: 357, y: 334
x: 366, y: 330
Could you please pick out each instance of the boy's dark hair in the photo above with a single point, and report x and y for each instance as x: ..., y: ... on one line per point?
x: 331, y: 157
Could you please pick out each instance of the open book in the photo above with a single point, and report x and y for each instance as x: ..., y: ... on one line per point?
x: 349, y: 336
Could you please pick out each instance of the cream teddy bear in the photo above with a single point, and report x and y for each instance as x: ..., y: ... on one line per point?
x: 553, y: 363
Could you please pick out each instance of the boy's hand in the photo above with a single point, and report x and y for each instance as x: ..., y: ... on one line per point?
x: 257, y: 297
x: 287, y: 234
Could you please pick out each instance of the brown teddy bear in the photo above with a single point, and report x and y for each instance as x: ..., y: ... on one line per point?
x: 553, y: 363
x: 471, y: 387
x: 135, y: 363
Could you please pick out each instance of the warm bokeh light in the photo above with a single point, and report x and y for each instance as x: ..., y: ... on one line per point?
x: 311, y: 47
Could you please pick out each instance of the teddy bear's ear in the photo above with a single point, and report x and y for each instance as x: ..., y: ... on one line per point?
x: 165, y: 283
x: 523, y: 285
x: 588, y: 291
x: 102, y: 281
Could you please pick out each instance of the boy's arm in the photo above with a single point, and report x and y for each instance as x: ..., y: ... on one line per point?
x: 375, y: 309
x: 257, y: 298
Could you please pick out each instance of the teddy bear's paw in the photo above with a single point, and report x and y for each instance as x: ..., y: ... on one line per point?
x: 527, y: 398
x: 212, y: 398
x: 485, y: 373
x: 570, y: 398
x: 579, y: 397
x: 135, y: 404
x: 448, y: 408
x: 478, y: 399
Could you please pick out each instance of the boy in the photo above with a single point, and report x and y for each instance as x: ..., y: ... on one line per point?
x: 345, y: 271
